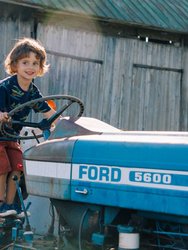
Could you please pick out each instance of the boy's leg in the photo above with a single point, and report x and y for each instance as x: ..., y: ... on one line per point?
x: 15, y: 157
x: 3, y: 179
x: 14, y: 153
x: 4, y: 169
x: 11, y: 187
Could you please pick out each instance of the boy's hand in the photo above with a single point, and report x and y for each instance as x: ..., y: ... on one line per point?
x: 4, y: 117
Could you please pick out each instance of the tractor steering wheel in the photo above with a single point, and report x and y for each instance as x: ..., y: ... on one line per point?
x: 44, y: 124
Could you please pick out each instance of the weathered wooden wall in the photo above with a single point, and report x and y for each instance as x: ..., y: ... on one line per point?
x: 126, y: 82
x: 11, y: 29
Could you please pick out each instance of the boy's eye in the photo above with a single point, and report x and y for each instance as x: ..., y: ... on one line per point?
x: 36, y: 63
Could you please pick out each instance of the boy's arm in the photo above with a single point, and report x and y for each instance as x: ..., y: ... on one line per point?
x: 50, y: 113
x: 3, y: 97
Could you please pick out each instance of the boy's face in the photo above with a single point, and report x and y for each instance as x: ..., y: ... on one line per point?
x: 28, y: 67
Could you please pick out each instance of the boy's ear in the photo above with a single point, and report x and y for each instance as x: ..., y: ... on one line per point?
x: 14, y: 67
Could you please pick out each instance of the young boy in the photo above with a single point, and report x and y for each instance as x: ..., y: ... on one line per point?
x: 25, y: 61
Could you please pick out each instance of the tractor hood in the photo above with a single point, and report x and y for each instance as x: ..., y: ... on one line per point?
x: 87, y: 160
x: 59, y: 147
x: 88, y: 140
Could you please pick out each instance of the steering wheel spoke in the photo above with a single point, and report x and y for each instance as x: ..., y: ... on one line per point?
x: 25, y: 124
x: 57, y: 114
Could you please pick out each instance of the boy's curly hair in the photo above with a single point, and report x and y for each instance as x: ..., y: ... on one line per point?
x: 21, y: 49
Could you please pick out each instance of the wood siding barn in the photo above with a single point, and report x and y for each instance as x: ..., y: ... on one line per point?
x: 129, y: 82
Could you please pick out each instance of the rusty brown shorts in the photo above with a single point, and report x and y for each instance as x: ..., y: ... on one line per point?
x: 10, y: 157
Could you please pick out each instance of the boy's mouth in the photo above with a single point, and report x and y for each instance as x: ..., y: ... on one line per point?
x: 30, y: 73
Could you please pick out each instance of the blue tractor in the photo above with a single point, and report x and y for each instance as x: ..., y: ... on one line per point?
x: 111, y: 189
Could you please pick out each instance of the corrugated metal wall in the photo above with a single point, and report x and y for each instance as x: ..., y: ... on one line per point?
x: 128, y: 83
x: 160, y: 14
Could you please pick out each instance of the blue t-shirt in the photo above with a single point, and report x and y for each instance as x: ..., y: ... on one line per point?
x: 12, y: 96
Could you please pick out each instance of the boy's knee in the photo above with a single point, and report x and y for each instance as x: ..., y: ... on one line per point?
x: 17, y: 173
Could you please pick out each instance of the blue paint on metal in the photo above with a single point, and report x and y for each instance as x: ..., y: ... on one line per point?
x: 133, y: 198
x: 148, y: 176
x: 131, y: 154
x: 144, y: 171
